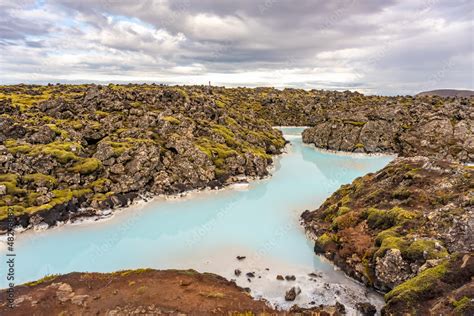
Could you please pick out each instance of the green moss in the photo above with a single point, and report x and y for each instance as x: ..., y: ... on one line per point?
x: 403, y: 215
x: 136, y: 104
x: 383, y: 219
x: 413, y: 174
x: 60, y: 155
x: 100, y: 184
x: 61, y: 151
x: 9, y: 177
x: 80, y: 192
x: 102, y: 196
x: 46, y: 278
x: 231, y: 122
x: 226, y: 133
x: 344, y: 221
x: 101, y: 113
x: 346, y: 199
x: 392, y: 242
x: 15, y: 209
x: 171, y: 119
x: 64, y: 134
x: 343, y: 210
x: 119, y: 147
x: 77, y: 125
x: 130, y: 272
x: 413, y: 288
x: 10, y: 181
x: 219, y: 104
x: 401, y: 193
x: 13, y: 147
x: 462, y: 305
x: 215, y: 151
x: 391, y: 232
x: 86, y: 166
x: 40, y: 179
x: 380, y: 219
x: 425, y: 249
x: 94, y: 124
x: 256, y: 152
x: 24, y: 100
x: 324, y: 239
x: 182, y: 93
x: 60, y: 197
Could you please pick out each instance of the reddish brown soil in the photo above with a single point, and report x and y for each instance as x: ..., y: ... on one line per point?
x: 148, y: 292
x: 140, y: 292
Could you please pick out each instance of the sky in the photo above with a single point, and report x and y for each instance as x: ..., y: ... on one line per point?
x: 385, y: 47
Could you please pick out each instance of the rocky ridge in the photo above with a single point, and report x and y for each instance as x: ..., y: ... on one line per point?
x: 391, y: 226
x: 408, y: 126
x: 71, y: 151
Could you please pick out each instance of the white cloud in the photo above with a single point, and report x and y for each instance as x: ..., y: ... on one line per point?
x: 389, y: 47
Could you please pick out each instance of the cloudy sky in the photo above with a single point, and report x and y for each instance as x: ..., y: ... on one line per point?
x: 376, y: 47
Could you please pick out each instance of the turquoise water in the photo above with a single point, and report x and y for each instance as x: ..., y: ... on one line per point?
x: 206, y: 230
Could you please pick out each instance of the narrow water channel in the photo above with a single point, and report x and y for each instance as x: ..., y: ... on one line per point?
x: 207, y: 230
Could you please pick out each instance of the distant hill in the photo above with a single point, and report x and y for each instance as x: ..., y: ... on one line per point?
x: 448, y: 93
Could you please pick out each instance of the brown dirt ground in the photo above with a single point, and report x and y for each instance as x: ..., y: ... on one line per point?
x: 133, y: 292
x: 137, y: 292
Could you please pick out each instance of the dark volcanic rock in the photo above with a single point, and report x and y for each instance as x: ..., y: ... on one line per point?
x: 387, y: 228
x: 401, y: 219
x: 446, y: 289
x: 423, y: 126
x: 366, y: 309
x: 101, y: 147
x: 292, y: 293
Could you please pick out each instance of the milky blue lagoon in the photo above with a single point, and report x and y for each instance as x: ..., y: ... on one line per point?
x: 207, y: 230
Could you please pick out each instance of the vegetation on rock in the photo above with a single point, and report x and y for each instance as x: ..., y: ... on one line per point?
x: 70, y: 149
x: 400, y: 242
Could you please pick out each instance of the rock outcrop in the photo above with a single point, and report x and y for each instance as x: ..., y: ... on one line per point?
x: 388, y: 227
x: 71, y: 151
x: 446, y: 289
x: 435, y: 127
